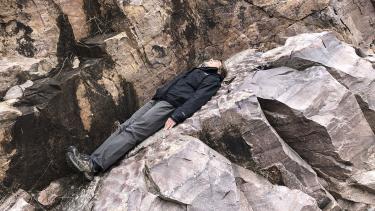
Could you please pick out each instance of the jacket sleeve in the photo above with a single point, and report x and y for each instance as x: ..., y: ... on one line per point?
x: 208, y: 88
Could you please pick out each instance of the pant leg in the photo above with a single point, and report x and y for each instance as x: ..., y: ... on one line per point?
x: 135, y: 115
x: 141, y: 128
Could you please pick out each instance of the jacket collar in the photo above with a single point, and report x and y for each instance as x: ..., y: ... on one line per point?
x: 212, y: 70
x: 209, y: 69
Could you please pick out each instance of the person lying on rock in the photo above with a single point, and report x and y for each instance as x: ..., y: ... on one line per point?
x: 170, y: 105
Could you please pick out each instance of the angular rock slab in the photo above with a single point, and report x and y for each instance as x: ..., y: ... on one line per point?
x: 170, y: 171
x: 177, y: 173
x: 234, y: 125
x: 18, y: 201
x: 354, y: 72
x: 261, y: 195
x: 319, y: 118
x: 16, y: 69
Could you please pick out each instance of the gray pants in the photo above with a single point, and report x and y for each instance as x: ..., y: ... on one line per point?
x: 147, y: 120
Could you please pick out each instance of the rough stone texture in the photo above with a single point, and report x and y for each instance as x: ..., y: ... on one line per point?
x: 53, y: 113
x: 201, y: 179
x: 315, y: 114
x: 54, y: 192
x: 18, y: 201
x: 29, y: 28
x: 128, y: 48
x: 158, y: 40
x: 351, y: 70
x: 234, y: 125
x: 358, y: 19
x: 171, y: 171
x: 17, y: 91
x: 75, y: 10
x: 295, y: 10
x: 8, y: 116
x: 324, y: 125
x: 16, y: 70
x: 260, y: 194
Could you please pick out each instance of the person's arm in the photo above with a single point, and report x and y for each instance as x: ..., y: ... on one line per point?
x: 209, y: 86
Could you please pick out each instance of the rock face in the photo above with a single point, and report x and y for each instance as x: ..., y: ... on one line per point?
x: 316, y: 110
x: 235, y: 126
x: 351, y: 70
x: 70, y: 108
x: 270, y: 122
x: 324, y: 125
x: 261, y: 195
x: 179, y: 172
x: 72, y: 69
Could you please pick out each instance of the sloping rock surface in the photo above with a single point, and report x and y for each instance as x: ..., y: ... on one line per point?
x: 279, y: 123
x: 344, y: 62
x: 324, y: 125
x: 71, y: 70
x: 94, y: 62
x: 178, y: 172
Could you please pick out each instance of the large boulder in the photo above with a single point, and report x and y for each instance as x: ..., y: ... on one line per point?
x: 317, y: 116
x: 342, y: 61
x: 171, y: 171
x: 234, y: 125
x: 260, y: 194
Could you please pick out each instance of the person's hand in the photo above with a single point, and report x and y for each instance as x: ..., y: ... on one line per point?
x: 169, y: 123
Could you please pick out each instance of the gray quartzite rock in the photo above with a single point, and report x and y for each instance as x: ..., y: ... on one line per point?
x: 170, y: 171
x: 261, y: 195
x: 235, y: 126
x: 18, y: 201
x: 341, y: 60
x: 319, y: 118
x: 17, y: 91
x: 180, y: 170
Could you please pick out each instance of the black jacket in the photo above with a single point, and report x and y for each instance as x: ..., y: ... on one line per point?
x: 189, y: 91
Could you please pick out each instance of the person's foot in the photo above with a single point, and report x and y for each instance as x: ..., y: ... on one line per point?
x: 81, y: 162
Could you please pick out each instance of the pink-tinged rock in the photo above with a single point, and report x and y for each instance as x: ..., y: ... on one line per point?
x: 75, y: 10
x: 261, y: 195
x: 351, y: 70
x: 18, y: 201
x: 170, y: 171
x: 180, y: 172
x: 321, y: 120
x: 235, y: 126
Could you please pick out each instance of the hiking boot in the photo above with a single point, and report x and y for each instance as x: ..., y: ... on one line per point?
x: 82, y: 162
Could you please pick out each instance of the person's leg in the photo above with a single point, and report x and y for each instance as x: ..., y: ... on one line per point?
x: 134, y: 116
x: 84, y: 162
x: 138, y: 130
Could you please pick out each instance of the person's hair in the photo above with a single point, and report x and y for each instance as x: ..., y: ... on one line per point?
x: 223, y: 70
